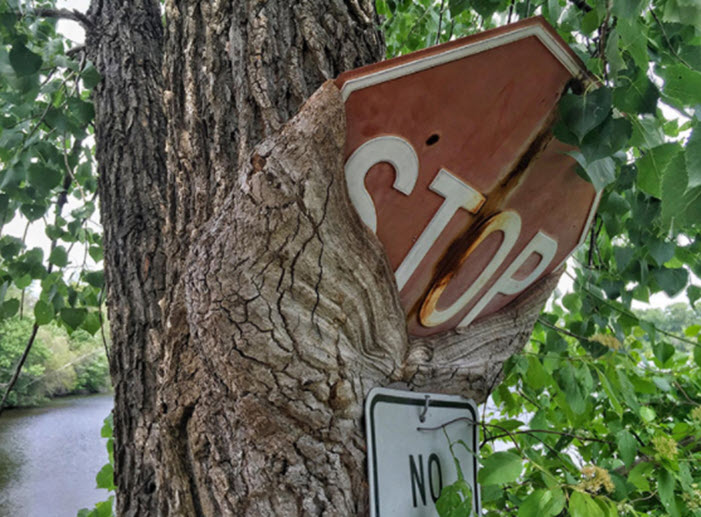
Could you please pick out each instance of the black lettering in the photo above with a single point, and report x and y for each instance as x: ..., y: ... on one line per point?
x: 433, y: 458
x: 417, y: 479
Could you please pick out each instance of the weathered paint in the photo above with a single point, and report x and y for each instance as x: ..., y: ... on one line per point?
x: 452, y: 163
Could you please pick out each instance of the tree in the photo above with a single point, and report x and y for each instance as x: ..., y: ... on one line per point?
x: 250, y: 310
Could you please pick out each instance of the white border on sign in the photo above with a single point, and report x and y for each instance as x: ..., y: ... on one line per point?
x: 468, y: 49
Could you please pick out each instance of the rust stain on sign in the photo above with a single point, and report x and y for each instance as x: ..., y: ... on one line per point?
x: 450, y: 159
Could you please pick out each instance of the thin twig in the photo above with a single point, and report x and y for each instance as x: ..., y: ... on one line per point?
x: 511, y: 11
x: 64, y: 14
x: 582, y: 5
x: 630, y: 314
x: 440, y: 22
x: 72, y: 52
x: 566, y: 332
x: 18, y: 369
x: 102, y: 326
x: 666, y: 38
x: 547, y: 431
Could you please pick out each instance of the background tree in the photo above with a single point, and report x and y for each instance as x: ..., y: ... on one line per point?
x: 250, y: 310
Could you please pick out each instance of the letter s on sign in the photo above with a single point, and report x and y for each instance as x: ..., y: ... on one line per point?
x: 391, y: 149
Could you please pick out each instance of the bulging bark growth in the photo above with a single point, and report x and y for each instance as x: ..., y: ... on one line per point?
x: 251, y: 309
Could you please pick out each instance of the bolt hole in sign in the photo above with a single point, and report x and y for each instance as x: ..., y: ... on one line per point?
x: 451, y: 161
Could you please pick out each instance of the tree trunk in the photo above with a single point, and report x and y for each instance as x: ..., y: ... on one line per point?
x: 251, y: 309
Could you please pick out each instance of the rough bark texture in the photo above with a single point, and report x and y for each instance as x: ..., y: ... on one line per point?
x: 125, y: 44
x: 251, y: 310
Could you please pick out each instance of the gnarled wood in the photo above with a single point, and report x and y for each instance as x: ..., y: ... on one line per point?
x: 251, y: 309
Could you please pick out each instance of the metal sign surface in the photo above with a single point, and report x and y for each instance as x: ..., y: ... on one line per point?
x: 451, y: 161
x: 408, y: 462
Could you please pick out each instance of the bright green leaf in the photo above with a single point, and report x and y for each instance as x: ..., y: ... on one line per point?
x: 59, y: 256
x: 627, y: 447
x: 43, y: 312
x: 73, y: 317
x: 682, y: 84
x: 500, y: 468
x: 652, y: 166
x: 105, y: 478
x: 693, y: 157
x: 582, y: 505
x: 647, y: 414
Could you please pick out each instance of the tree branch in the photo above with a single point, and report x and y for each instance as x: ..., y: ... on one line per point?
x: 582, y: 5
x: 64, y: 14
x: 18, y: 369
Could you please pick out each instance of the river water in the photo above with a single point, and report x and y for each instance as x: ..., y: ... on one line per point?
x: 49, y: 457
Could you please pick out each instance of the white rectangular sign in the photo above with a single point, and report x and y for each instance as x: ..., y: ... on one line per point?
x: 409, y: 457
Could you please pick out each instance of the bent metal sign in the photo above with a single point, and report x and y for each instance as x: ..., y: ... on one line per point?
x: 451, y: 161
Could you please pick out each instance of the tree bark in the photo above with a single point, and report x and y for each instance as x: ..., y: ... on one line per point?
x: 124, y: 42
x: 251, y: 309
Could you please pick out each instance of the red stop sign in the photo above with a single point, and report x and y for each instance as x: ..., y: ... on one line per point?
x: 451, y: 161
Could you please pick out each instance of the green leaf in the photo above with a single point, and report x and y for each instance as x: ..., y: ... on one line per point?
x: 634, y: 40
x: 455, y: 500
x: 693, y: 157
x: 610, y: 137
x: 9, y: 308
x: 652, y: 166
x: 601, y: 172
x: 43, y: 178
x: 627, y: 447
x: 647, y: 414
x: 665, y: 487
x: 23, y: 281
x: 647, y: 132
x: 682, y: 84
x: 83, y: 111
x: 105, y: 478
x: 59, y: 256
x: 638, y: 476
x: 457, y: 7
x: 103, y: 508
x: 43, y: 312
x: 12, y: 177
x: 693, y: 292
x: 680, y: 205
x: 582, y: 505
x: 95, y: 278
x: 660, y: 250
x: 91, y: 77
x: 24, y: 61
x: 33, y: 211
x: 613, y: 54
x: 672, y: 281
x: 73, y: 317
x: 569, y: 383
x: 582, y: 113
x: 609, y: 390
x: 627, y: 8
x: 91, y: 323
x: 500, y: 468
x: 542, y: 503
x: 637, y: 95
x: 663, y: 351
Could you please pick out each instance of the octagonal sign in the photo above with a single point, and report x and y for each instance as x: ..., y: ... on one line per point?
x: 451, y: 161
